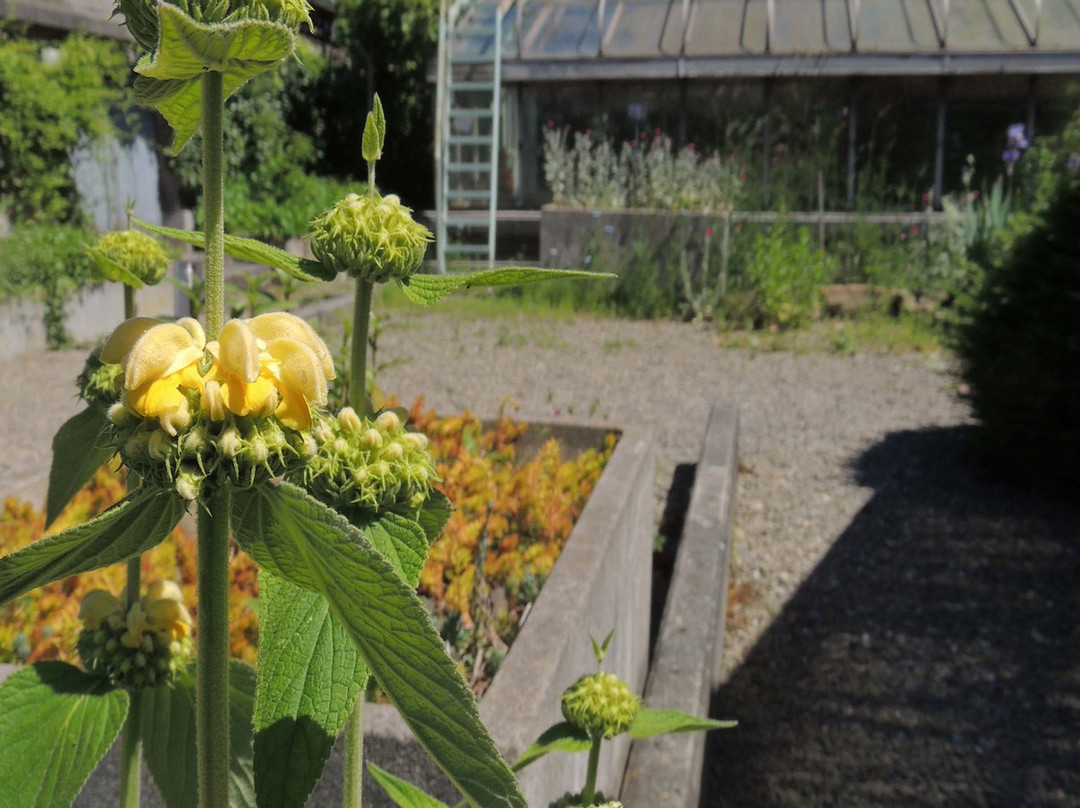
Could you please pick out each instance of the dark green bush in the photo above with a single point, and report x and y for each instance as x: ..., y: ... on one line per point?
x: 1020, y: 348
x: 48, y: 259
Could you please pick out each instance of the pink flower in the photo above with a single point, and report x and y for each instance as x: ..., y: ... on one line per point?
x: 708, y: 232
x: 656, y: 131
x: 742, y: 177
x: 633, y: 144
x: 903, y: 236
x: 915, y: 230
x: 974, y: 194
x: 926, y: 197
x: 588, y: 133
x: 567, y: 127
x: 551, y: 124
x: 644, y: 135
x: 690, y: 146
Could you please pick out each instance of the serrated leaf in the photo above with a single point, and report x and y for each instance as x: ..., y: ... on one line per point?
x: 299, y: 538
x: 434, y: 514
x: 56, y: 723
x: 188, y: 49
x: 562, y: 737
x: 380, y: 121
x: 77, y: 452
x: 428, y: 289
x: 401, y: 541
x: 310, y: 675
x: 168, y: 732
x: 369, y: 146
x: 132, y: 526
x: 402, y: 792
x: 663, y: 722
x: 249, y: 249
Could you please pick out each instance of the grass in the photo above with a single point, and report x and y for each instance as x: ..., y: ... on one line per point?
x: 871, y: 333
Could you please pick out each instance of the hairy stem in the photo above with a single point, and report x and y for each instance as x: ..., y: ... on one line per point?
x: 590, y: 778
x: 358, y: 356
x: 212, y: 682
x: 354, y: 756
x: 131, y: 742
x: 213, y: 111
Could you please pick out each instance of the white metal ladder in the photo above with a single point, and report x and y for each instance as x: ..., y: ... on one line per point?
x: 467, y: 129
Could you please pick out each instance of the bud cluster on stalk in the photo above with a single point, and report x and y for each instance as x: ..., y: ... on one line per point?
x: 142, y: 646
x: 601, y: 704
x: 368, y: 464
x: 100, y: 384
x: 242, y: 450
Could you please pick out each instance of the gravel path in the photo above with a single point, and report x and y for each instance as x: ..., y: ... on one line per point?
x: 892, y: 639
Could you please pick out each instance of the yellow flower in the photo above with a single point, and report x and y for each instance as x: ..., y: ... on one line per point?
x: 159, y: 361
x: 271, y: 364
x: 164, y: 607
x: 97, y: 605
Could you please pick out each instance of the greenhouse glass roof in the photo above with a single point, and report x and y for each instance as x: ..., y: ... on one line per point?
x: 565, y: 39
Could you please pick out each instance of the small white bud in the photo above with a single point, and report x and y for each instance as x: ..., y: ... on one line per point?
x: 349, y: 420
x: 372, y: 439
x: 393, y: 452
x: 415, y: 440
x: 230, y: 443
x: 118, y: 414
x: 388, y: 421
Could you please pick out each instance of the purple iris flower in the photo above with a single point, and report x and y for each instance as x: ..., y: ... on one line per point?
x: 1011, y: 156
x: 1073, y: 163
x: 1017, y: 136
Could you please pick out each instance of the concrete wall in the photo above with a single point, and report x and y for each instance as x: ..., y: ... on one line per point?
x: 666, y: 770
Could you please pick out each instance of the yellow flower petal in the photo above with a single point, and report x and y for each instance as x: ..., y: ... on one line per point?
x: 294, y: 411
x: 300, y: 369
x: 280, y: 324
x: 165, y: 611
x: 97, y: 604
x: 161, y: 351
x: 259, y: 397
x: 193, y: 327
x: 238, y: 354
x: 213, y: 402
x: 165, y: 589
x: 123, y: 337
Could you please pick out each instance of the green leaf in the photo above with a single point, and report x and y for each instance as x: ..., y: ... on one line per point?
x: 310, y: 675
x: 132, y: 526
x: 249, y: 249
x: 112, y: 271
x: 369, y: 146
x: 171, y: 77
x: 600, y: 649
x: 434, y: 514
x: 401, y: 541
x: 56, y: 723
x: 299, y: 538
x: 428, y: 289
x: 380, y: 121
x: 168, y: 732
x: 78, y: 452
x: 663, y: 722
x: 402, y: 792
x: 562, y: 737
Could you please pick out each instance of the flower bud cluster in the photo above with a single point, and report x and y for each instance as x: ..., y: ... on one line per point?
x: 128, y: 255
x: 601, y: 704
x: 100, y: 384
x: 369, y: 464
x: 244, y: 451
x: 142, y: 647
x: 371, y: 237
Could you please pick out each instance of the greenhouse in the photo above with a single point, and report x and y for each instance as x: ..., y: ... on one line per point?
x: 885, y: 98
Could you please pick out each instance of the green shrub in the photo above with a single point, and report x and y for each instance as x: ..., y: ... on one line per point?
x: 50, y: 100
x: 49, y: 259
x: 780, y: 281
x: 1020, y: 349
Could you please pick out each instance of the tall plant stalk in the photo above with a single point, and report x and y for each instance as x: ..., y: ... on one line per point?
x: 354, y: 728
x: 212, y: 680
x: 589, y: 791
x: 131, y: 743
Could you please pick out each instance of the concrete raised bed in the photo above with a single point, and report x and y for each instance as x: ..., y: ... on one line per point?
x: 601, y: 581
x: 571, y: 238
x: 666, y: 771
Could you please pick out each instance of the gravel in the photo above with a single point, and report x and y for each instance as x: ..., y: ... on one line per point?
x: 900, y: 632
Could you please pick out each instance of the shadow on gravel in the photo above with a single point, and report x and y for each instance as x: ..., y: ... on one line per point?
x: 931, y: 659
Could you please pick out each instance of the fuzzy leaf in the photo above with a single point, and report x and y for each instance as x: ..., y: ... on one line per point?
x: 380, y: 121
x: 249, y: 249
x: 171, y: 76
x: 369, y: 146
x: 297, y: 537
x: 401, y: 541
x: 168, y: 731
x: 56, y: 723
x: 112, y: 271
x: 428, y: 289
x: 434, y: 514
x: 663, y: 722
x: 310, y: 675
x: 562, y: 737
x: 77, y: 453
x: 402, y: 792
x: 132, y: 526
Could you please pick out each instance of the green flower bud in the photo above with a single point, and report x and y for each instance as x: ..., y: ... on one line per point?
x: 160, y: 445
x: 388, y: 421
x: 187, y: 486
x: 393, y: 452
x: 349, y: 420
x: 370, y: 237
x: 230, y: 443
x: 290, y: 13
x: 415, y: 440
x: 372, y: 439
x: 100, y: 383
x: 130, y: 257
x: 600, y: 704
